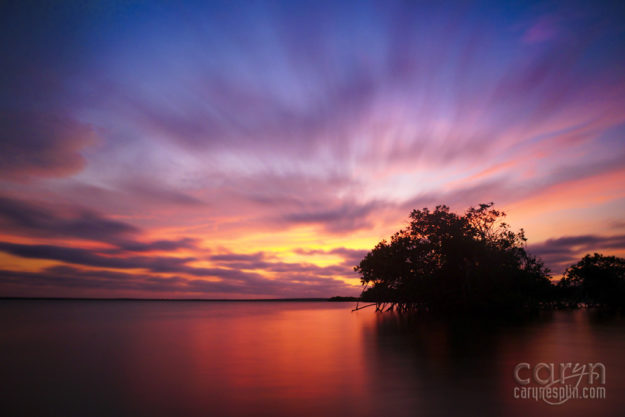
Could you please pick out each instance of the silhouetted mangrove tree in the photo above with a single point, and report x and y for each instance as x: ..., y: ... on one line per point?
x: 595, y: 281
x: 445, y: 262
x: 448, y: 262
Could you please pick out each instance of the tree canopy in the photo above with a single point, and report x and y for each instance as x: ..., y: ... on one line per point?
x: 596, y: 280
x: 443, y: 261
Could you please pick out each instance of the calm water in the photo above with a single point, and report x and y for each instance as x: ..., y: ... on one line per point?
x: 121, y: 358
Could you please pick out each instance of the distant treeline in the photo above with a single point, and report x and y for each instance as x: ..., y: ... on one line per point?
x: 445, y: 262
x: 339, y: 298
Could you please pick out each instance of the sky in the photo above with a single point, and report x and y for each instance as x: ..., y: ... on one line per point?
x: 259, y: 149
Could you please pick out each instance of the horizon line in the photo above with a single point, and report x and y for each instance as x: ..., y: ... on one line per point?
x: 334, y: 298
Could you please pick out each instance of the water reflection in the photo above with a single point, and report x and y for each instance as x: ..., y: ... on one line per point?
x: 285, y: 359
x: 464, y: 367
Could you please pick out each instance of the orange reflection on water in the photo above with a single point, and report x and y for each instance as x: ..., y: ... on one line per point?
x: 105, y: 358
x: 255, y: 359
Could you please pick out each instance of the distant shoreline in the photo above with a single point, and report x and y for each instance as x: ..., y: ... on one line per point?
x: 332, y: 299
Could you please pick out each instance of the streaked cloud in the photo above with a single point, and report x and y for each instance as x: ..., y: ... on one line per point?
x: 239, y: 149
x: 563, y: 252
x: 41, y: 145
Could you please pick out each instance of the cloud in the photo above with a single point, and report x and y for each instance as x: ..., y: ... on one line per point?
x: 41, y: 145
x: 63, y: 278
x: 155, y: 245
x: 340, y: 118
x: 150, y: 192
x: 91, y: 258
x: 345, y: 217
x: 543, y: 29
x: 44, y: 220
x: 267, y: 262
x: 69, y: 277
x: 562, y: 252
x: 618, y: 224
x: 53, y: 221
x: 351, y: 257
x: 230, y: 266
x: 228, y: 258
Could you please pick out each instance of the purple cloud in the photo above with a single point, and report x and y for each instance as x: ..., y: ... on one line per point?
x: 41, y: 145
x: 189, y: 127
x: 544, y: 29
x: 43, y: 220
x: 60, y: 279
x: 562, y: 252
